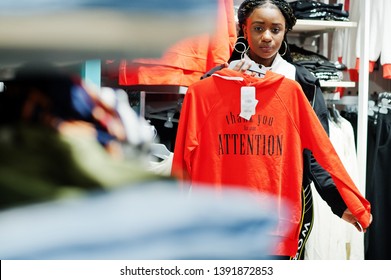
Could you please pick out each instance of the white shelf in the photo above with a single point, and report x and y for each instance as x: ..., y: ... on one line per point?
x: 304, y: 25
x: 345, y: 84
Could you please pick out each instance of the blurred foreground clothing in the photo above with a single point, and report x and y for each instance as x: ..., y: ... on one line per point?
x: 150, y: 220
x: 39, y: 164
x: 59, y: 137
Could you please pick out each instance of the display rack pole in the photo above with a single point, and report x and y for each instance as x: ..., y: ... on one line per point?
x: 363, y: 92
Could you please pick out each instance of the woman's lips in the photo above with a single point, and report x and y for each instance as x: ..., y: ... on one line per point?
x: 266, y: 49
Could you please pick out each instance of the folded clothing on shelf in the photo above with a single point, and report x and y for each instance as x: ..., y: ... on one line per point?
x: 319, y: 11
x: 317, y: 64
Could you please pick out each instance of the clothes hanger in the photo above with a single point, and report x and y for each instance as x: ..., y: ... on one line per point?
x: 168, y: 117
x: 333, y: 113
x: 336, y: 113
x: 160, y: 150
x: 257, y: 68
x: 372, y: 108
x: 384, y: 105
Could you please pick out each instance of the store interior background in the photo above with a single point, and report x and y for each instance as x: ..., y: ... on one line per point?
x: 90, y: 39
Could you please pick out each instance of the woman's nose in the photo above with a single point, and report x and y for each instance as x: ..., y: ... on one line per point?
x: 266, y: 36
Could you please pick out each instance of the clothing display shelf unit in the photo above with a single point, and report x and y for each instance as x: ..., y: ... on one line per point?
x: 156, y: 101
x: 307, y: 28
x: 312, y: 27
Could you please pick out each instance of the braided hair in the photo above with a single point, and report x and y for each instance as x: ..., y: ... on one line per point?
x: 248, y: 6
x: 246, y: 9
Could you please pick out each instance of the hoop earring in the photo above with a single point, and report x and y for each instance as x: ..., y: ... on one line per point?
x: 286, y: 48
x: 245, y: 48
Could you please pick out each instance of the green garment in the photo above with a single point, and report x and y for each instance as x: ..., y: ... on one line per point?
x: 38, y: 164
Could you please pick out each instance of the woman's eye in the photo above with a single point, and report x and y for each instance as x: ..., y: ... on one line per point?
x: 262, y: 29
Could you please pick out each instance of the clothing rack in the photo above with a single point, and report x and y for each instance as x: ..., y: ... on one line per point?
x: 381, y: 105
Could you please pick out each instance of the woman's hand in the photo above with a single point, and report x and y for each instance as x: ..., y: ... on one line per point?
x: 243, y: 66
x: 348, y: 217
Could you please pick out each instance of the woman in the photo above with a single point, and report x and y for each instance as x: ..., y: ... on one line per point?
x: 263, y: 26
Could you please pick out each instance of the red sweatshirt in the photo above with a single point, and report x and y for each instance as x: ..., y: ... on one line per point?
x: 216, y: 146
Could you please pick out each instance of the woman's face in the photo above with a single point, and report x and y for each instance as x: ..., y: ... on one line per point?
x: 264, y: 31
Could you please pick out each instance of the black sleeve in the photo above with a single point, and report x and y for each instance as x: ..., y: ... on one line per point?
x: 323, y: 182
x: 325, y: 186
x: 320, y: 108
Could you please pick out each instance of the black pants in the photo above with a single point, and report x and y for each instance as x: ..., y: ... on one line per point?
x: 378, y: 188
x: 306, y: 222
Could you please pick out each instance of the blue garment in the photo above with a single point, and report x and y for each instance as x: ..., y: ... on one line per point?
x: 150, y: 220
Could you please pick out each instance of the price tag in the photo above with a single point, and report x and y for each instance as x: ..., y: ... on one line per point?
x: 247, y: 102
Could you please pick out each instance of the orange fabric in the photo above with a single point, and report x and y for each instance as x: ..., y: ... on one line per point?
x: 187, y: 60
x: 387, y: 71
x: 142, y: 74
x: 371, y: 66
x: 353, y: 74
x: 357, y: 63
x: 215, y: 146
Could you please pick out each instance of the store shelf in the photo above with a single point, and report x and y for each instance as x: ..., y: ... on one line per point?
x: 311, y: 27
x: 306, y: 28
x: 345, y: 84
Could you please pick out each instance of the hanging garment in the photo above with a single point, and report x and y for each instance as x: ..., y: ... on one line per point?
x: 160, y: 159
x: 345, y: 46
x: 187, y: 60
x: 379, y: 36
x: 379, y: 39
x: 263, y: 153
x: 339, y: 36
x: 377, y: 239
x: 331, y: 237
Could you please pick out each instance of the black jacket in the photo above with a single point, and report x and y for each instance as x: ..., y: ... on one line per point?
x: 312, y: 171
